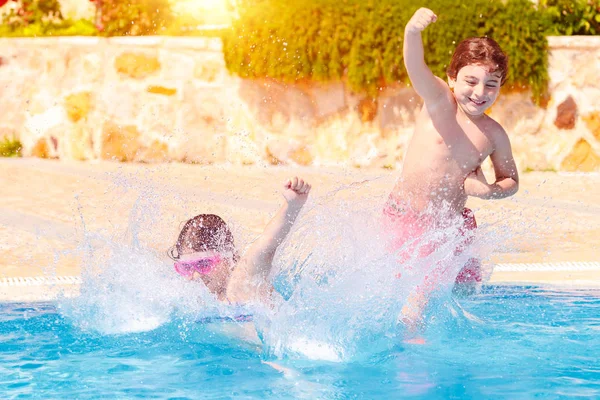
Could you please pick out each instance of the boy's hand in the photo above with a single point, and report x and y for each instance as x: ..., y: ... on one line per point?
x: 476, y: 185
x: 296, y: 191
x: 420, y: 20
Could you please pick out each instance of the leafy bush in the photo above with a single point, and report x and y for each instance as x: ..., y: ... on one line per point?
x: 571, y: 17
x: 10, y: 147
x: 132, y: 17
x: 33, y: 18
x: 361, y: 40
x: 65, y: 27
x: 33, y: 12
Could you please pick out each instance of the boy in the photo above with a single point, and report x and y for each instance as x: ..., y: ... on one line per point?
x: 453, y: 136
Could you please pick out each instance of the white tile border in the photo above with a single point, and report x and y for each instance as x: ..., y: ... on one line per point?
x: 542, y: 267
x: 40, y: 281
x: 508, y: 267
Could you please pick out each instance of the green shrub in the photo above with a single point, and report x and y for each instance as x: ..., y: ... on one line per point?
x: 361, y: 40
x: 571, y: 17
x: 133, y: 17
x: 33, y: 12
x: 65, y: 27
x: 10, y: 147
x: 42, y: 18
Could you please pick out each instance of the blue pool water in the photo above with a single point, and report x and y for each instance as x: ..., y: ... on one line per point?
x: 506, y: 342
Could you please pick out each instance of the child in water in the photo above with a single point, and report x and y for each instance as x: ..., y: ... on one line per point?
x: 205, y: 251
x: 452, y: 137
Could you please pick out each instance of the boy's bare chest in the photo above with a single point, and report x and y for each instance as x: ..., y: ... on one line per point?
x: 463, y: 141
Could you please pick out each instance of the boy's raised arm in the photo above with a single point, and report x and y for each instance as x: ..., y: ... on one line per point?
x: 425, y: 83
x: 248, y: 278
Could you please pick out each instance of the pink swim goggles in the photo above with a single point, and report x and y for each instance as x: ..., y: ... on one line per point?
x: 202, y: 265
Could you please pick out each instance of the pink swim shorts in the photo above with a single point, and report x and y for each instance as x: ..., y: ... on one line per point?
x: 406, y: 227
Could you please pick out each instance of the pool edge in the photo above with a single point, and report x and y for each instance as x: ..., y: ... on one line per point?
x: 563, y: 274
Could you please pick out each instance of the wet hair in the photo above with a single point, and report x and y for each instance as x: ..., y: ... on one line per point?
x: 479, y: 50
x: 204, y: 232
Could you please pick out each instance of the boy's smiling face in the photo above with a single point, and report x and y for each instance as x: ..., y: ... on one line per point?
x: 475, y: 88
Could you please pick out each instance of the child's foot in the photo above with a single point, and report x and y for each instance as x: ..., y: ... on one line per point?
x: 416, y: 340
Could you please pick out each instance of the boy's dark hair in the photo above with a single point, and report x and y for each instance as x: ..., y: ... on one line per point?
x: 204, y: 232
x: 479, y: 50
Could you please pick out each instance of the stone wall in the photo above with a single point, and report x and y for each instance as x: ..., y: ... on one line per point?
x: 155, y: 99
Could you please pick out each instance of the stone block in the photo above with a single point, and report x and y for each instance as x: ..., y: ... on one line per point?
x: 592, y: 120
x: 78, y: 105
x: 199, y: 147
x: 534, y: 161
x: 119, y: 142
x: 85, y: 68
x: 119, y: 101
x: 205, y: 110
x: 208, y: 70
x: 165, y: 91
x: 566, y: 114
x: 585, y: 69
x: 241, y: 150
x: 278, y: 107
x: 271, y: 158
x: 517, y: 114
x: 328, y: 98
x: 331, y: 141
x: 157, y: 152
x: 41, y: 125
x: 581, y: 158
x: 41, y: 149
x: 285, y: 151
x: 178, y: 65
x: 398, y: 107
x: 79, y: 142
x: 367, y: 109
x: 71, y: 141
x: 158, y: 115
x: 301, y: 156
x: 137, y: 65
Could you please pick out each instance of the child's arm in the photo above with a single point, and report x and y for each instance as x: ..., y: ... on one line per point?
x: 248, y: 279
x: 505, y: 169
x: 425, y: 83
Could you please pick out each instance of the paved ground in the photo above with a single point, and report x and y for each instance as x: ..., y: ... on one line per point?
x: 46, y: 205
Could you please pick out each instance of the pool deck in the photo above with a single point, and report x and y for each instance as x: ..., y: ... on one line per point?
x: 552, y: 225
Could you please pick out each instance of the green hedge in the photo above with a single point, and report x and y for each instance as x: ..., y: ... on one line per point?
x: 571, y: 17
x: 133, y: 17
x: 42, y: 29
x: 361, y: 40
x: 10, y: 147
x: 34, y: 18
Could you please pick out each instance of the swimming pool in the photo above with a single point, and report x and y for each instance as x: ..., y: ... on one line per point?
x: 506, y: 342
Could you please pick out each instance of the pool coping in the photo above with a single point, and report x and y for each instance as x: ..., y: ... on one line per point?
x: 561, y: 274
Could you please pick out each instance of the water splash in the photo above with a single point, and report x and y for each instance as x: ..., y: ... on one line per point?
x: 129, y: 287
x: 343, y: 286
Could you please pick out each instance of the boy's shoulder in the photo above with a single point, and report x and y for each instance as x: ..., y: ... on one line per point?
x: 494, y: 128
x: 496, y: 131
